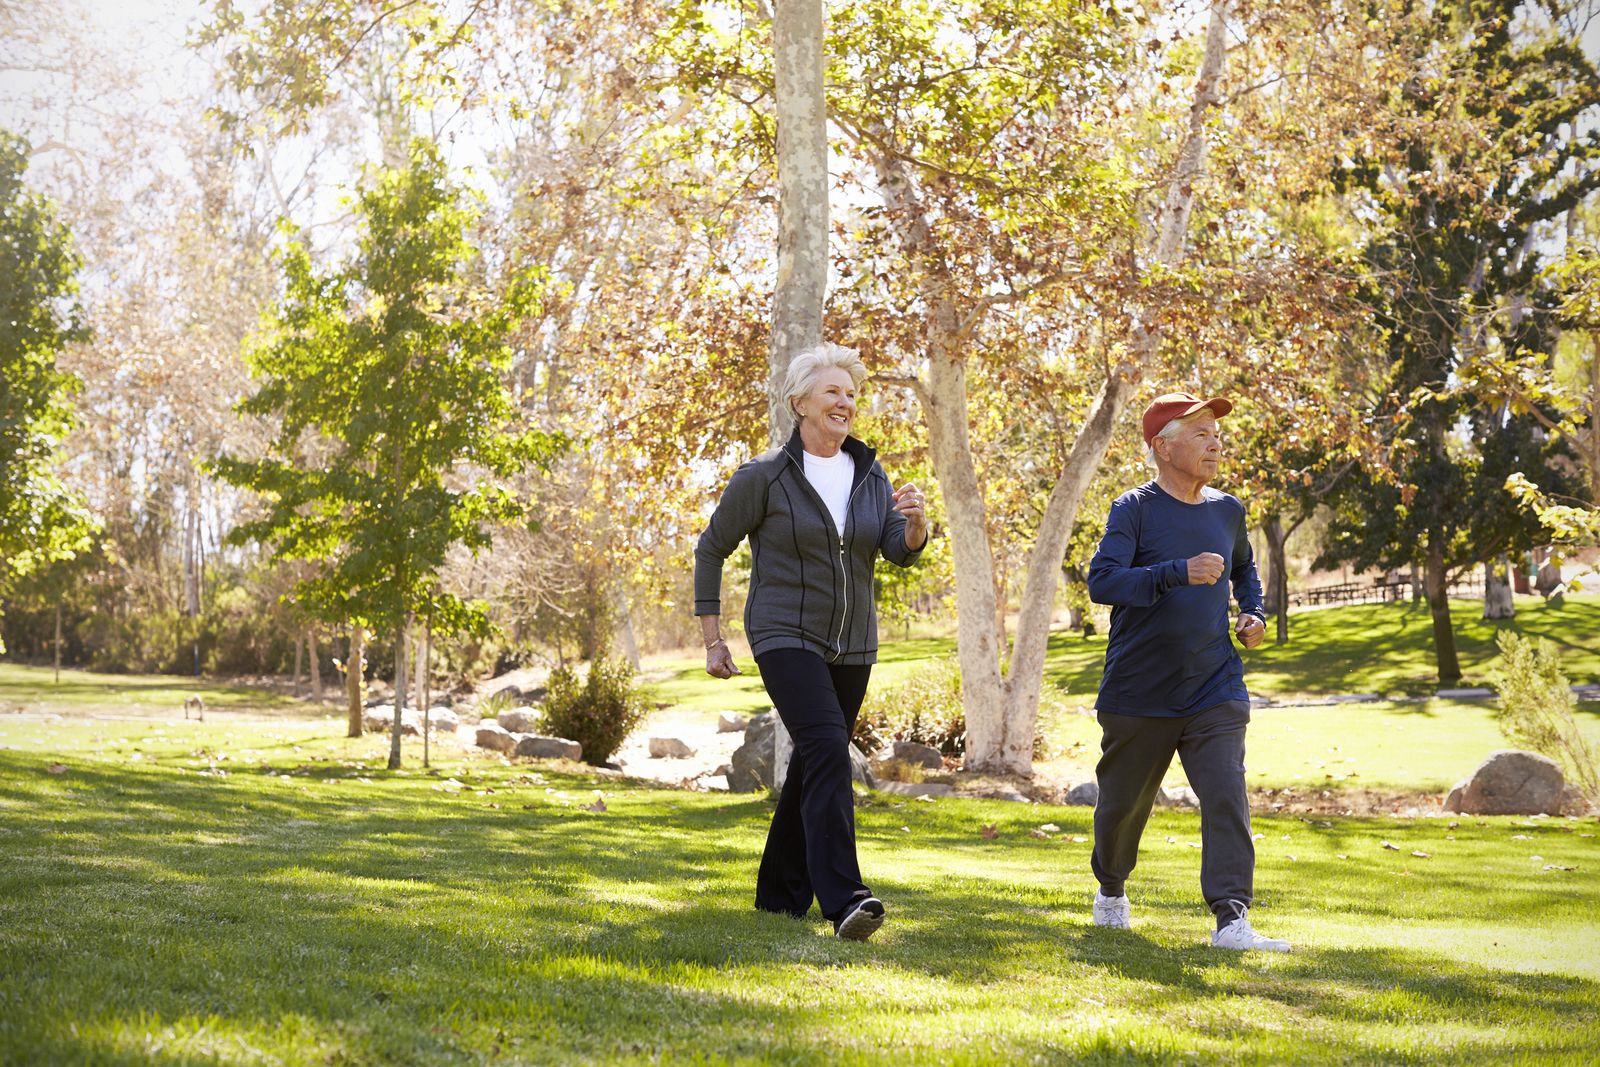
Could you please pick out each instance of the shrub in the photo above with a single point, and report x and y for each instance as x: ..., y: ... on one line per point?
x: 925, y: 708
x: 600, y: 714
x: 1536, y: 710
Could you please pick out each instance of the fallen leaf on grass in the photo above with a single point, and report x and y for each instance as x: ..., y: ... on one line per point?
x: 56, y: 768
x: 1521, y: 837
x: 449, y: 785
x: 926, y: 796
x: 905, y: 829
x: 1391, y: 847
x: 1558, y: 867
x: 1050, y: 828
x: 1075, y: 840
x: 990, y: 832
x: 1422, y: 855
x: 598, y: 805
x: 1040, y: 834
x: 1343, y: 856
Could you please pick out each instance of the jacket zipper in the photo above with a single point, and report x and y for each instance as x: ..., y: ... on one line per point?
x: 844, y: 572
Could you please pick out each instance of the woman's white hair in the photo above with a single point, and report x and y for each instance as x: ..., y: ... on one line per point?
x: 1169, y: 431
x: 810, y: 362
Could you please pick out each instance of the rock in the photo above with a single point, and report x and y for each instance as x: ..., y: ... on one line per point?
x: 548, y: 747
x: 1086, y: 794
x: 722, y: 770
x: 918, y: 789
x: 782, y: 751
x: 917, y: 755
x: 669, y: 748
x: 861, y: 768
x: 497, y: 738
x: 510, y: 694
x: 731, y: 723
x: 1573, y: 802
x: 1509, y: 782
x: 1470, y: 693
x: 519, y: 720
x: 443, y: 720
x: 1179, y: 796
x: 750, y: 766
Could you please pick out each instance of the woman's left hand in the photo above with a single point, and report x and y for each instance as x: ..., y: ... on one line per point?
x: 909, y: 501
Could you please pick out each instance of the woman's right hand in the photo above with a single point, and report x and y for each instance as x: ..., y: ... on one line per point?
x: 719, y: 661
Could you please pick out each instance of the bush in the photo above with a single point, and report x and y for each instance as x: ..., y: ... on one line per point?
x: 925, y: 708
x: 1536, y: 710
x: 600, y: 714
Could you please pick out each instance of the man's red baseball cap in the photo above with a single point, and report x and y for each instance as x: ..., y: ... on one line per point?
x: 1168, y: 406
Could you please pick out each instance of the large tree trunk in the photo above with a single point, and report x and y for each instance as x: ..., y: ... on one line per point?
x: 401, y: 636
x: 802, y: 197
x: 354, y: 667
x: 1002, y: 713
x: 1277, y: 584
x: 1497, y: 600
x: 1444, y: 637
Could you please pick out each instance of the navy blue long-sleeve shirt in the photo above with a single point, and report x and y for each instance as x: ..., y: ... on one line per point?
x: 1171, y: 649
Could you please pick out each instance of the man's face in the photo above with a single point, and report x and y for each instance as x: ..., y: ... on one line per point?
x: 1195, y: 450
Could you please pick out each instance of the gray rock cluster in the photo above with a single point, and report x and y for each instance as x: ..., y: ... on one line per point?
x: 380, y: 717
x: 496, y: 738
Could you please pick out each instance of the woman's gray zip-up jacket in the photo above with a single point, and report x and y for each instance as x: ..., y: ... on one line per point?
x: 809, y: 587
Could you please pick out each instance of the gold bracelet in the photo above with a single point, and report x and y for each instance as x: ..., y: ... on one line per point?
x: 714, y: 644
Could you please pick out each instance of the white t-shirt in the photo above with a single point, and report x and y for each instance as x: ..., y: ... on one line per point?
x: 830, y: 476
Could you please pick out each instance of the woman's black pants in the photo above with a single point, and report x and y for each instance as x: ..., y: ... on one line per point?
x: 811, y: 844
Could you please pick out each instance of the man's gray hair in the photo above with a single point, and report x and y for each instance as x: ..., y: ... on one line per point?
x: 809, y: 362
x: 1169, y: 431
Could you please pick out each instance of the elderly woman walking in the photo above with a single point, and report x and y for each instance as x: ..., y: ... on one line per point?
x: 818, y: 512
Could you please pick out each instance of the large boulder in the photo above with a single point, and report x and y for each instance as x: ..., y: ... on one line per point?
x: 669, y: 748
x: 1510, y: 782
x: 750, y: 766
x: 917, y: 755
x: 496, y: 738
x: 548, y: 747
x: 519, y: 720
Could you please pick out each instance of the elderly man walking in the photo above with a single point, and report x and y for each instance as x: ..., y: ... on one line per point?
x: 1173, y: 683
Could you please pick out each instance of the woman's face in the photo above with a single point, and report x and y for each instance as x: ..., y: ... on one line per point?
x: 831, y: 405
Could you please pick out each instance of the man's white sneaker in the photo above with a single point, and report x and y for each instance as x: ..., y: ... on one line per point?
x: 1241, y: 936
x: 1111, y: 911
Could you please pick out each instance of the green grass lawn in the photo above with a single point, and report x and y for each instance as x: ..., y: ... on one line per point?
x: 1365, y: 648
x: 1375, y: 648
x: 128, y: 694
x: 262, y: 892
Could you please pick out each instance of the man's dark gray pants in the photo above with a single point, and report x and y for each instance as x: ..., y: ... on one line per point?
x: 1135, y: 752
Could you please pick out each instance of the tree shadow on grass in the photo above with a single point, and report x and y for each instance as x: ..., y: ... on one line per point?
x: 435, y: 929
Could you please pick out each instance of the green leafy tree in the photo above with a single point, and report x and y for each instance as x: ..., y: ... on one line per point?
x: 41, y: 521
x: 1460, y: 199
x: 398, y: 434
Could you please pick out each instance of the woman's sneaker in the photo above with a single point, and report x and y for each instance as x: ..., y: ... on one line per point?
x: 861, y: 920
x: 1112, y: 911
x: 1241, y: 936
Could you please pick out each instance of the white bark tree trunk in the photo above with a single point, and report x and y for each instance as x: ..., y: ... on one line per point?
x: 401, y: 637
x: 802, y: 197
x: 311, y: 661
x: 1497, y: 600
x: 1002, y: 712
x: 353, y: 677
